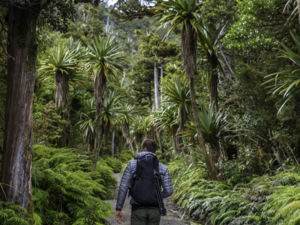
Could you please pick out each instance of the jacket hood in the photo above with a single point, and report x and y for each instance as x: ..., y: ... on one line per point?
x: 141, y: 154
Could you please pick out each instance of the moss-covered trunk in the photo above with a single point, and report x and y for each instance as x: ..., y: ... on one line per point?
x: 17, y: 154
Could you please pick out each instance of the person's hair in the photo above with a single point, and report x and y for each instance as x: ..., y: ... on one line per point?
x: 150, y: 145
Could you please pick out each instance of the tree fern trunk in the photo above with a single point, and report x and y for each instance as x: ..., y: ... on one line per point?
x: 18, y: 137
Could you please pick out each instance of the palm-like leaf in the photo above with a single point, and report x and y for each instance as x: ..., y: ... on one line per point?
x: 285, y: 83
x: 173, y: 13
x: 62, y: 61
x: 63, y: 58
x: 110, y: 107
x: 126, y: 113
x: 87, y: 126
x: 212, y: 125
x: 177, y: 95
x: 105, y: 55
x: 165, y: 118
x: 209, y: 38
x: 87, y: 120
x: 291, y: 7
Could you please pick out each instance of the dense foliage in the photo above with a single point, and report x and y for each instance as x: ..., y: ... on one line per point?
x: 66, y: 189
x: 269, y: 199
x: 215, y: 83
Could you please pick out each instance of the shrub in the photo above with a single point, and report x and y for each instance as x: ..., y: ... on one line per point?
x: 11, y: 214
x: 114, y: 163
x: 66, y: 190
x: 48, y: 124
x: 264, y: 200
x: 125, y: 156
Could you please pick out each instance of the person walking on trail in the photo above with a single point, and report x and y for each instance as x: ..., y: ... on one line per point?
x: 148, y: 182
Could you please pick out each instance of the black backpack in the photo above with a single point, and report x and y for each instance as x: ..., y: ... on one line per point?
x: 143, y: 188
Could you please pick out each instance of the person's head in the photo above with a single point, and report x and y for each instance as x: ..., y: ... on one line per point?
x: 149, y: 145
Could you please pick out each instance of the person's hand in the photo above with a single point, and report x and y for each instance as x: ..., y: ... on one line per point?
x: 119, y: 217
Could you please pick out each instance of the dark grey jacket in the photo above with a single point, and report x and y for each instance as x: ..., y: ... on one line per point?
x: 167, y: 187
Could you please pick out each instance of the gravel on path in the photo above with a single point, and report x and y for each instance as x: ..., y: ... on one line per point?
x: 173, y: 215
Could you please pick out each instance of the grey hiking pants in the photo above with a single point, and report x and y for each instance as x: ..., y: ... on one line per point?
x: 145, y: 216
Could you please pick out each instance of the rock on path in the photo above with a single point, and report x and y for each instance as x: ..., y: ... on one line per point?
x: 172, y: 218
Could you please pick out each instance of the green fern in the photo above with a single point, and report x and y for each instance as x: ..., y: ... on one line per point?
x: 264, y: 200
x: 66, y: 189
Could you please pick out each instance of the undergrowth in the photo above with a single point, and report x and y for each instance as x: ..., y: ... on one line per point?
x: 125, y: 156
x: 66, y: 190
x: 266, y: 199
x: 114, y: 163
x: 11, y: 214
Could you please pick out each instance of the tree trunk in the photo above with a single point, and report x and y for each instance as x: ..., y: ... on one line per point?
x: 150, y: 134
x: 137, y: 141
x: 158, y: 138
x: 156, y: 85
x: 298, y: 6
x: 213, y: 86
x: 161, y: 79
x: 189, y: 54
x: 90, y: 141
x: 228, y: 65
x: 149, y: 98
x: 97, y: 149
x: 175, y: 139
x: 62, y: 91
x: 126, y: 134
x: 181, y: 127
x: 18, y: 137
x: 113, y: 144
x: 99, y: 93
x: 208, y: 156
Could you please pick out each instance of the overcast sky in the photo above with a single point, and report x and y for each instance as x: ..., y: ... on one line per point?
x: 111, y: 2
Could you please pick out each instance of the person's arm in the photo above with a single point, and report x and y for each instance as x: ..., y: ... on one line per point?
x: 123, y: 188
x: 166, y: 184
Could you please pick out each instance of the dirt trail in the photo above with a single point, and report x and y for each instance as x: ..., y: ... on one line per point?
x: 172, y: 218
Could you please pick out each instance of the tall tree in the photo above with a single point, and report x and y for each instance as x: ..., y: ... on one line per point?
x: 209, y: 38
x: 17, y: 154
x: 106, y: 58
x: 22, y: 47
x: 177, y: 99
x: 62, y: 62
x: 186, y: 13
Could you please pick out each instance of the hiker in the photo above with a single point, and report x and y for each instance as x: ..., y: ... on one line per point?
x: 145, y: 188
